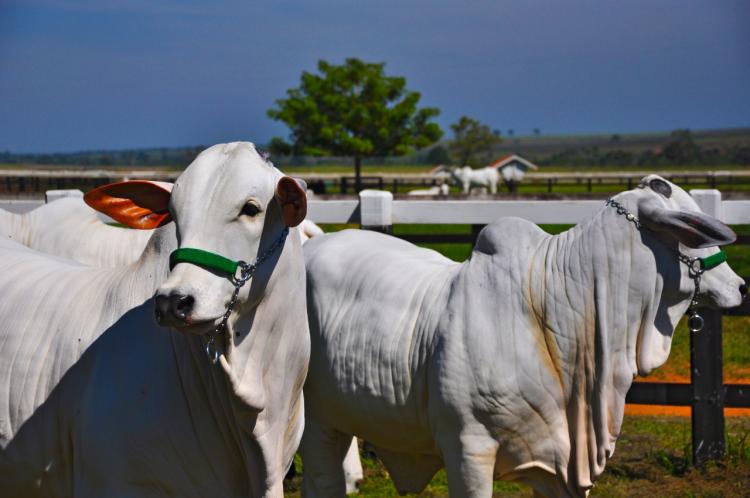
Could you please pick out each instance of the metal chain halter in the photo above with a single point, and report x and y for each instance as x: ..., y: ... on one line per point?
x: 696, y: 267
x: 238, y: 272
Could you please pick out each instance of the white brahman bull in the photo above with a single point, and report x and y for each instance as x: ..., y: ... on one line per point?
x: 68, y: 228
x: 96, y: 400
x: 468, y: 177
x: 514, y: 364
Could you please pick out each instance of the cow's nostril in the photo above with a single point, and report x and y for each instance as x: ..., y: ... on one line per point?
x: 181, y: 305
x: 743, y: 289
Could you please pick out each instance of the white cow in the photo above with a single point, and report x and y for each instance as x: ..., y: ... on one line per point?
x: 468, y: 177
x: 514, y: 364
x: 70, y: 229
x: 441, y: 189
x: 96, y: 400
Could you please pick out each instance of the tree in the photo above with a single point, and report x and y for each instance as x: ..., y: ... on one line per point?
x: 470, y: 139
x: 353, y: 110
x: 438, y: 155
x: 682, y: 149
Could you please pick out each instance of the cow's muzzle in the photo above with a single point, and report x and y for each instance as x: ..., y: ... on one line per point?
x: 173, y: 309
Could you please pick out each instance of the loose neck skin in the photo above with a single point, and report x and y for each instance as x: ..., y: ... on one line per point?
x: 606, y: 315
x: 262, y: 369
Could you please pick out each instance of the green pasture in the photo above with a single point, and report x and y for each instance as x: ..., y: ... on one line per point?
x: 652, y: 458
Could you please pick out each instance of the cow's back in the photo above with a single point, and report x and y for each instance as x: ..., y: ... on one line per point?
x: 69, y: 228
x: 373, y: 304
x: 51, y: 310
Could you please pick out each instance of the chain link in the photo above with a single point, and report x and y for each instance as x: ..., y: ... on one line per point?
x: 622, y: 211
x: 245, y: 273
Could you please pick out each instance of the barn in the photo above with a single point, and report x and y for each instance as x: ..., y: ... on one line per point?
x: 513, y: 168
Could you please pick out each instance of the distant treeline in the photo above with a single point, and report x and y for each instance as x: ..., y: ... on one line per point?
x: 680, y: 147
x: 175, y: 157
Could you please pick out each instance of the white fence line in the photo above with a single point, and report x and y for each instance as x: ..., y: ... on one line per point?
x: 483, y: 212
x: 470, y: 212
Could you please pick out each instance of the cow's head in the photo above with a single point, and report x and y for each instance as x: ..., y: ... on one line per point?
x: 230, y: 202
x: 673, y: 224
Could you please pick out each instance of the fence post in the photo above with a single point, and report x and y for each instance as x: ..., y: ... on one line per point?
x: 376, y: 210
x: 706, y: 364
x: 475, y: 229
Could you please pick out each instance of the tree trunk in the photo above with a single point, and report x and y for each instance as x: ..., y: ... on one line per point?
x: 357, y: 174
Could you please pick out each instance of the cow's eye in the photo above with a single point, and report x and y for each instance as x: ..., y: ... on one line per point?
x: 250, y: 209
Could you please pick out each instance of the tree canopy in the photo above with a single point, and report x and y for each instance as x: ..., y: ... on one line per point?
x: 353, y: 110
x: 472, y: 139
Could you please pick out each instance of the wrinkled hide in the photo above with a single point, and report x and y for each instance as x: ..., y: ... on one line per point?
x: 514, y: 364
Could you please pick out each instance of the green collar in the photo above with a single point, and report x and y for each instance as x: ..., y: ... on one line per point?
x: 221, y: 264
x: 205, y: 259
x: 713, y: 260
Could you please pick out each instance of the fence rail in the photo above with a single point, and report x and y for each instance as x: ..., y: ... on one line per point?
x: 39, y: 179
x: 733, y: 212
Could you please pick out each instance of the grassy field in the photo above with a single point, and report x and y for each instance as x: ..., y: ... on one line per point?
x: 652, y: 458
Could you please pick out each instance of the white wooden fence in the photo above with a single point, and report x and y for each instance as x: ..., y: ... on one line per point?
x: 378, y: 208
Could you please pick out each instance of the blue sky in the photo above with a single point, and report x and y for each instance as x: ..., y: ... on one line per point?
x: 98, y: 74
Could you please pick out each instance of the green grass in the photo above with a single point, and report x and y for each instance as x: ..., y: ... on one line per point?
x: 652, y: 458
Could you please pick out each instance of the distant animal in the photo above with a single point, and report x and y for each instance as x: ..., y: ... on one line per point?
x: 68, y: 228
x: 467, y: 178
x: 97, y: 400
x: 514, y: 364
x: 441, y: 189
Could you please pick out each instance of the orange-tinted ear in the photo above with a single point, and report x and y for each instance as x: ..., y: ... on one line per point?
x: 293, y: 201
x: 136, y: 203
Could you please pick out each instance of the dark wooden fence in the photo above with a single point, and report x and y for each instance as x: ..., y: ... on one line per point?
x: 37, y: 180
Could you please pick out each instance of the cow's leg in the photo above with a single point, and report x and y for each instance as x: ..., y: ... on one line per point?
x: 353, y: 472
x: 469, y: 464
x: 323, y: 450
x: 493, y: 187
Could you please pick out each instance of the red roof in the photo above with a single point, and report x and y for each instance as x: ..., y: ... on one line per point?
x: 510, y: 157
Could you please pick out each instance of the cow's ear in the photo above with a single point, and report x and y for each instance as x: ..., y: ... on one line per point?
x: 293, y: 201
x: 136, y: 203
x: 691, y: 228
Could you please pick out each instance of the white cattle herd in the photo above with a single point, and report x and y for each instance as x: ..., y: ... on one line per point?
x: 514, y: 364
